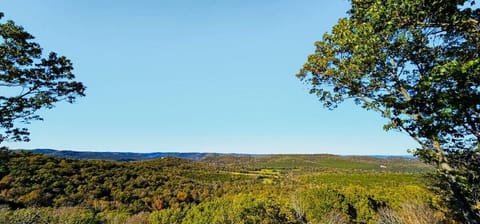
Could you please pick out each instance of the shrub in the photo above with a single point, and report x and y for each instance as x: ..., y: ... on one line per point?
x: 48, y: 215
x: 410, y: 213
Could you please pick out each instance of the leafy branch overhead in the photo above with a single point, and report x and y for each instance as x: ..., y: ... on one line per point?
x: 30, y: 81
x: 417, y: 63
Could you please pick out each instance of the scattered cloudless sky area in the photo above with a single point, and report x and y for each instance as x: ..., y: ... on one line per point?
x: 195, y: 76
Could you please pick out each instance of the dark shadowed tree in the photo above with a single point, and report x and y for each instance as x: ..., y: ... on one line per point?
x: 417, y: 63
x: 29, y: 81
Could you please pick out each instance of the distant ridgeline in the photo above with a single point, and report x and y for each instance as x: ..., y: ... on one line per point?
x: 133, y: 156
x: 123, y: 156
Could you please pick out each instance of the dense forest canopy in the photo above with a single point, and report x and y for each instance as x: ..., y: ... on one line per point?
x: 217, y: 189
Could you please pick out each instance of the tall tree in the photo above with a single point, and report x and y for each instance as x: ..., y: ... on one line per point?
x: 417, y: 63
x: 29, y: 81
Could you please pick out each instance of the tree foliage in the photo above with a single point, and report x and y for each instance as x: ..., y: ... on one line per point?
x: 30, y: 81
x: 417, y: 63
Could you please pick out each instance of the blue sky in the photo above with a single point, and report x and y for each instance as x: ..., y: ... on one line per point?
x: 195, y: 76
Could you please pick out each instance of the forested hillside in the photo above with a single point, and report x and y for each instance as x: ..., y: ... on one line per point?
x: 118, y: 156
x: 217, y: 189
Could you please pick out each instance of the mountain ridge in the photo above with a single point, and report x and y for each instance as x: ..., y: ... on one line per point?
x: 123, y: 156
x: 139, y: 156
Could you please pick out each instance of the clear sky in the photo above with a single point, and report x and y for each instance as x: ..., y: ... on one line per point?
x: 195, y: 76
